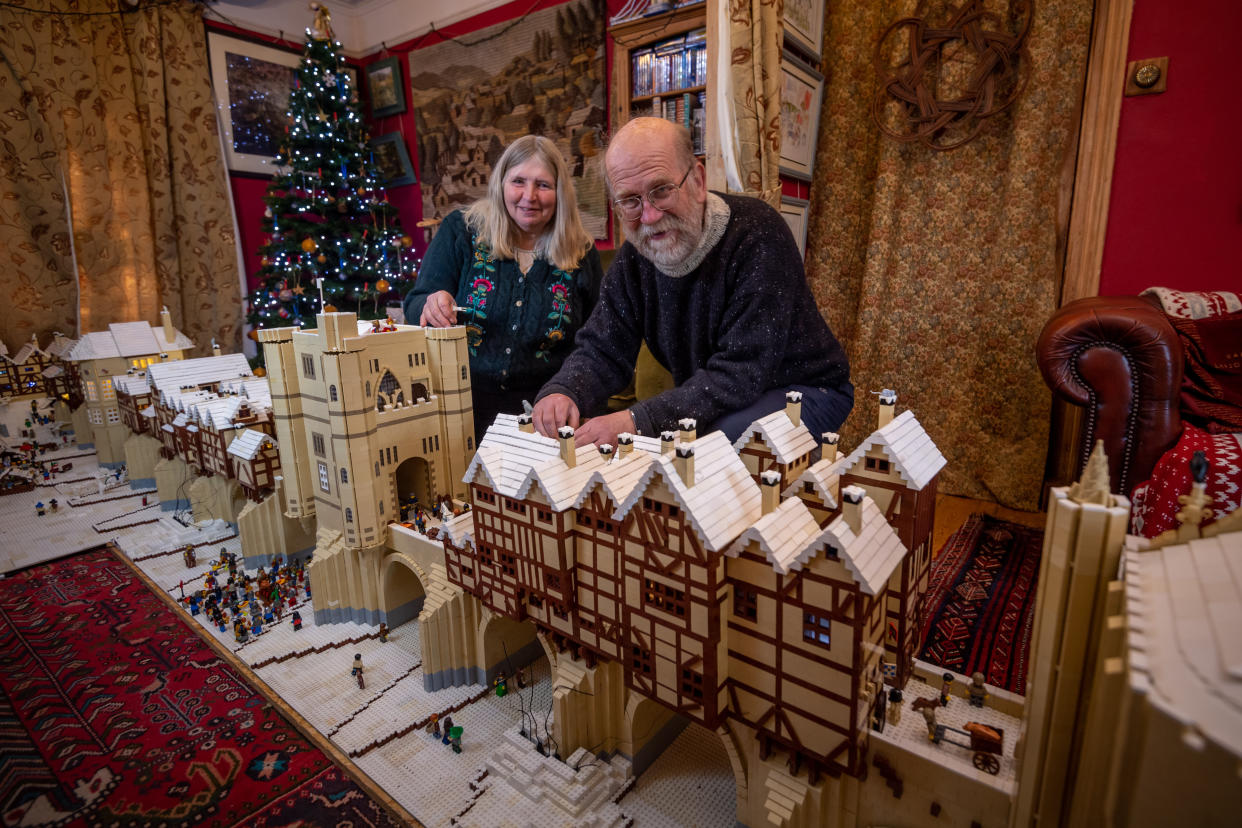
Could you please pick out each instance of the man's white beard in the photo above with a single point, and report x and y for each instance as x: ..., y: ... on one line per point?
x: 669, y: 252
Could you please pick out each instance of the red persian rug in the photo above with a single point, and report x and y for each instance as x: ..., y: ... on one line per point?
x: 980, y: 602
x: 114, y: 713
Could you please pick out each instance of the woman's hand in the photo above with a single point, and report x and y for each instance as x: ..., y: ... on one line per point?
x: 439, y: 311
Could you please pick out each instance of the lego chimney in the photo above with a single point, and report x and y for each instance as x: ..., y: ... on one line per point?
x: 770, y: 489
x: 215, y: 347
x: 688, y: 426
x: 170, y: 334
x: 605, y: 451
x: 828, y: 445
x: 625, y: 443
x: 888, y: 404
x: 793, y: 407
x: 666, y: 442
x: 526, y: 424
x: 569, y: 452
x: 684, y: 463
x: 851, y: 507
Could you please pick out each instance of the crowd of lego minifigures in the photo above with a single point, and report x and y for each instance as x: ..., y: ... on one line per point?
x: 22, y: 466
x: 231, y: 596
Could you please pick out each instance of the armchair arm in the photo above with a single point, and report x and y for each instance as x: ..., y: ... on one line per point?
x: 1119, y: 359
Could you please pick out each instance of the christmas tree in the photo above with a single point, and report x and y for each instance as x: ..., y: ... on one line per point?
x: 328, y: 216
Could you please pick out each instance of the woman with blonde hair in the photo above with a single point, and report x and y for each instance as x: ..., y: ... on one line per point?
x: 519, y: 270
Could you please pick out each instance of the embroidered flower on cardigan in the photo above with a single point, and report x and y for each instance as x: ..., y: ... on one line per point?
x: 559, y: 315
x: 484, y: 271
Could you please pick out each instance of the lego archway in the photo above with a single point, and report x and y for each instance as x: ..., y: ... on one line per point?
x: 651, y: 728
x: 403, y: 590
x: 509, y: 644
x: 413, y: 479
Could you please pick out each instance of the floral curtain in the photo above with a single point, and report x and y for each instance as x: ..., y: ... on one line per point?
x: 114, y: 200
x: 938, y: 269
x: 750, y: 121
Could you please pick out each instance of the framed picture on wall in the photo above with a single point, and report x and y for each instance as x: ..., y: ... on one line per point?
x: 252, y: 82
x: 802, y: 94
x: 804, y: 26
x: 795, y: 211
x: 391, y: 160
x: 385, y: 88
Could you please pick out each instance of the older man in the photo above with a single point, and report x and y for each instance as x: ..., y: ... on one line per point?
x: 714, y: 284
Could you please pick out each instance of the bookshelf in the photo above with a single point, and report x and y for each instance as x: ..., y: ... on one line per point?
x: 661, y: 65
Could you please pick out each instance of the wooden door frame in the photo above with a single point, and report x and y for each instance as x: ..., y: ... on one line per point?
x: 1097, y: 148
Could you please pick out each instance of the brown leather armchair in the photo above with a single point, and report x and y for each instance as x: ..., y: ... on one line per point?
x: 1119, y: 359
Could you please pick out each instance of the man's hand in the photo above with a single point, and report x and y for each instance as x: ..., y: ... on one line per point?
x: 600, y: 430
x: 439, y: 311
x: 552, y: 412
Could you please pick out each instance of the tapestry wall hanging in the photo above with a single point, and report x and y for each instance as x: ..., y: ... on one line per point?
x: 951, y: 72
x: 472, y: 96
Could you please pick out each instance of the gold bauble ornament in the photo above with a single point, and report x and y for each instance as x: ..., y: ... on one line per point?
x: 382, y: 286
x: 406, y: 241
x: 321, y: 258
x: 329, y: 308
x: 260, y: 371
x: 253, y: 333
x: 308, y: 244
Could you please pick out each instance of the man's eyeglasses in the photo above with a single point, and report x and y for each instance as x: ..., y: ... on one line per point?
x: 660, y: 198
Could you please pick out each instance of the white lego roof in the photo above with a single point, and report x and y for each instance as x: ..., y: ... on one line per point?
x: 132, y: 384
x: 53, y: 371
x: 908, y: 447
x: 169, y: 377
x: 248, y: 443
x: 25, y: 352
x: 1184, y: 607
x: 513, y: 460
x: 786, y: 535
x: 128, y: 339
x: 218, y: 412
x: 786, y: 441
x: 623, y: 474
x: 872, y: 553
x: 724, y: 499
x: 459, y: 528
x: 61, y: 346
x: 825, y: 476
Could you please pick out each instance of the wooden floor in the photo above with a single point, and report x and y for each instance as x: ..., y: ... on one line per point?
x: 952, y: 511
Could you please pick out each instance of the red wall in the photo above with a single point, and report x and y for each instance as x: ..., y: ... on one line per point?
x: 248, y: 192
x: 1175, y: 215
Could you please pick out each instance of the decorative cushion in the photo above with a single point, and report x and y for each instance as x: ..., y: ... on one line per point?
x: 1209, y: 325
x: 1154, y: 503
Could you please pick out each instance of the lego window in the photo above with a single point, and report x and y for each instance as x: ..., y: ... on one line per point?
x: 535, y: 601
x: 418, y: 392
x: 691, y: 683
x: 318, y: 444
x: 92, y: 393
x: 349, y: 515
x: 816, y: 629
x: 664, y: 597
x: 390, y: 392
x: 105, y: 386
x: 745, y: 603
x: 332, y: 393
x: 640, y: 661
x: 543, y: 515
x: 509, y: 564
x: 325, y: 480
x: 552, y: 581
x: 308, y: 366
x: 114, y: 416
x: 463, y: 372
x: 344, y: 476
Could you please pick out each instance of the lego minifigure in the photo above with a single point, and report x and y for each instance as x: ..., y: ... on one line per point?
x: 455, y: 739
x: 978, y: 690
x: 357, y: 671
x: 297, y: 621
x: 929, y: 715
x: 894, y: 707
x: 946, y: 689
x: 448, y: 726
x: 500, y: 685
x: 383, y: 633
x: 39, y: 509
x: 54, y: 504
x: 433, y: 725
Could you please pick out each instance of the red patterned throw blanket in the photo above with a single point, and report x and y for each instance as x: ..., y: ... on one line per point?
x: 1209, y: 325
